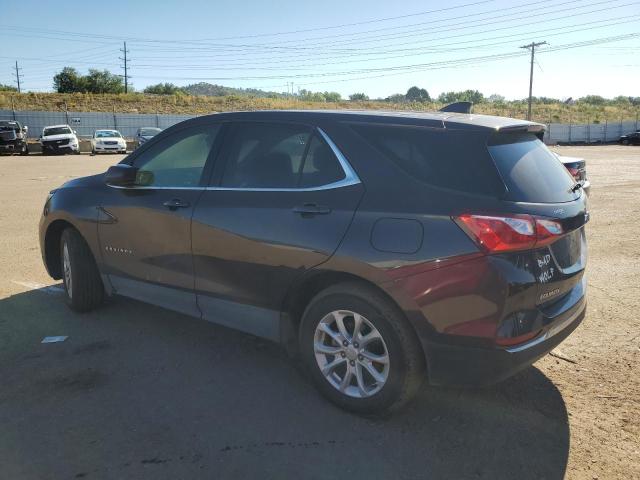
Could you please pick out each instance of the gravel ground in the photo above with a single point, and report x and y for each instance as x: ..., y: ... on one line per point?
x: 141, y: 392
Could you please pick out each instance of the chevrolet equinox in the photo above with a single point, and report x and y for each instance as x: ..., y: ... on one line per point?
x: 381, y: 248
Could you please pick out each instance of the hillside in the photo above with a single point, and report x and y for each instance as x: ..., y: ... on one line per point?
x: 198, y: 104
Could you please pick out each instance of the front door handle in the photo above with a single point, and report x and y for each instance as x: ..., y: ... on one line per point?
x: 310, y: 209
x: 176, y: 203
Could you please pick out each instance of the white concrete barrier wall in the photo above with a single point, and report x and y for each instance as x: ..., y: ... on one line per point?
x: 86, y: 122
x: 588, y: 133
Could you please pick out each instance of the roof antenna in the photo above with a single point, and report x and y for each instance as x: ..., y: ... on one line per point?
x: 458, y: 107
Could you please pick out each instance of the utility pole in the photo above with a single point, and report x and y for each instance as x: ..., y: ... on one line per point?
x: 18, y: 75
x: 532, y: 46
x: 126, y: 67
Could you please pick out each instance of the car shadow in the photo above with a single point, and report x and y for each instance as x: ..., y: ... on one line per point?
x: 140, y: 392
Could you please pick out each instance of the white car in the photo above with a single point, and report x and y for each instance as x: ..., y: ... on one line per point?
x: 108, y: 141
x: 577, y: 168
x: 59, y: 139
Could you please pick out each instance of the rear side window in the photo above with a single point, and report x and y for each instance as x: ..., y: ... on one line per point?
x: 455, y: 160
x: 320, y: 167
x: 530, y: 171
x: 287, y: 156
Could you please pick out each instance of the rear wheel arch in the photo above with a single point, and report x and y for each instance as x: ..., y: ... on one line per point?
x: 301, y: 296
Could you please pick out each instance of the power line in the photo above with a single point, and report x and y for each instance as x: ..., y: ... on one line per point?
x: 415, y: 67
x: 532, y: 46
x: 414, y: 50
x: 395, y: 53
x: 270, y: 46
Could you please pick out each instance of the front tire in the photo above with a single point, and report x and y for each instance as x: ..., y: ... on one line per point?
x: 83, y: 286
x: 25, y: 150
x: 625, y: 142
x: 360, y: 350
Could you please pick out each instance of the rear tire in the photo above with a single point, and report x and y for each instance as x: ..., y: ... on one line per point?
x: 375, y: 371
x: 83, y: 286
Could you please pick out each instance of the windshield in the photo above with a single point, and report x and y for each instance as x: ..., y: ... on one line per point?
x: 107, y: 134
x: 9, y: 126
x: 530, y: 171
x: 56, y: 131
x: 149, y: 132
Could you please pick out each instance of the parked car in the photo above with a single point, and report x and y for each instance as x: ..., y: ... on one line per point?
x: 59, y: 139
x: 144, y: 134
x: 108, y: 141
x: 383, y: 248
x: 577, y: 167
x: 13, y: 137
x: 630, y: 139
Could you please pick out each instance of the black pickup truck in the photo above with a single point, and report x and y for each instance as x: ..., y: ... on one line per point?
x: 13, y: 137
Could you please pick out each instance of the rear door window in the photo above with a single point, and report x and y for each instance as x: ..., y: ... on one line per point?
x: 451, y: 159
x: 529, y: 170
x: 281, y: 156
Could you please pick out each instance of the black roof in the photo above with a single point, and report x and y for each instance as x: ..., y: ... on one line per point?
x: 430, y: 119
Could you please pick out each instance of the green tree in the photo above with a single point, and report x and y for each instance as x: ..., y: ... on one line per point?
x: 164, y: 89
x: 593, y: 100
x: 69, y: 81
x: 395, y: 98
x: 495, y: 98
x: 465, y: 96
x: 358, y: 97
x: 103, y: 81
x: 415, y: 94
x: 332, y: 97
x: 309, y: 96
x: 7, y: 88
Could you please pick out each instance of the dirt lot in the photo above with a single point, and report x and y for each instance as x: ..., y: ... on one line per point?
x: 140, y: 392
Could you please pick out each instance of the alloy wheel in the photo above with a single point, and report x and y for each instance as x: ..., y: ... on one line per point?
x: 351, y: 354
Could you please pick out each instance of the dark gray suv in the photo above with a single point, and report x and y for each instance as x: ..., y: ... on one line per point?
x: 381, y: 249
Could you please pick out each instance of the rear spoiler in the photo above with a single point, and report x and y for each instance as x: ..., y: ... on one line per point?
x: 537, y: 129
x: 458, y: 107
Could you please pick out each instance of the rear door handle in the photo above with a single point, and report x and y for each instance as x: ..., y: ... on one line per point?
x: 176, y: 203
x: 310, y: 209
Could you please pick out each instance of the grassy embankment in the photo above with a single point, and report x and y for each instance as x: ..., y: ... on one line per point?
x: 184, y: 104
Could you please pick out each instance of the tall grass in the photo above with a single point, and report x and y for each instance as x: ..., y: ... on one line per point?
x: 186, y: 104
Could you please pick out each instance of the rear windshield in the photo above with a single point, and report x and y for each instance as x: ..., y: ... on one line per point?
x: 149, y: 132
x: 529, y: 170
x: 451, y: 159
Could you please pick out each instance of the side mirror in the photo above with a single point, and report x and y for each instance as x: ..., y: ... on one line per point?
x: 75, y: 132
x: 121, y: 175
x: 25, y: 129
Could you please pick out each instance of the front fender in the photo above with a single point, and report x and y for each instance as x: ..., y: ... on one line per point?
x: 67, y: 207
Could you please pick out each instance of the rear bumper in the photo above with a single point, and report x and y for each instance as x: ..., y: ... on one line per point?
x: 458, y: 365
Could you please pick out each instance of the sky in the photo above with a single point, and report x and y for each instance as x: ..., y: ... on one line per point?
x: 379, y: 48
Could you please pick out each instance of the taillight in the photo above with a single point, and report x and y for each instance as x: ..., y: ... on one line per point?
x: 508, y: 233
x: 547, y: 231
x: 575, y: 173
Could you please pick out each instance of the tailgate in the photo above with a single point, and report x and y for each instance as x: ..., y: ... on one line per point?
x: 560, y: 266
